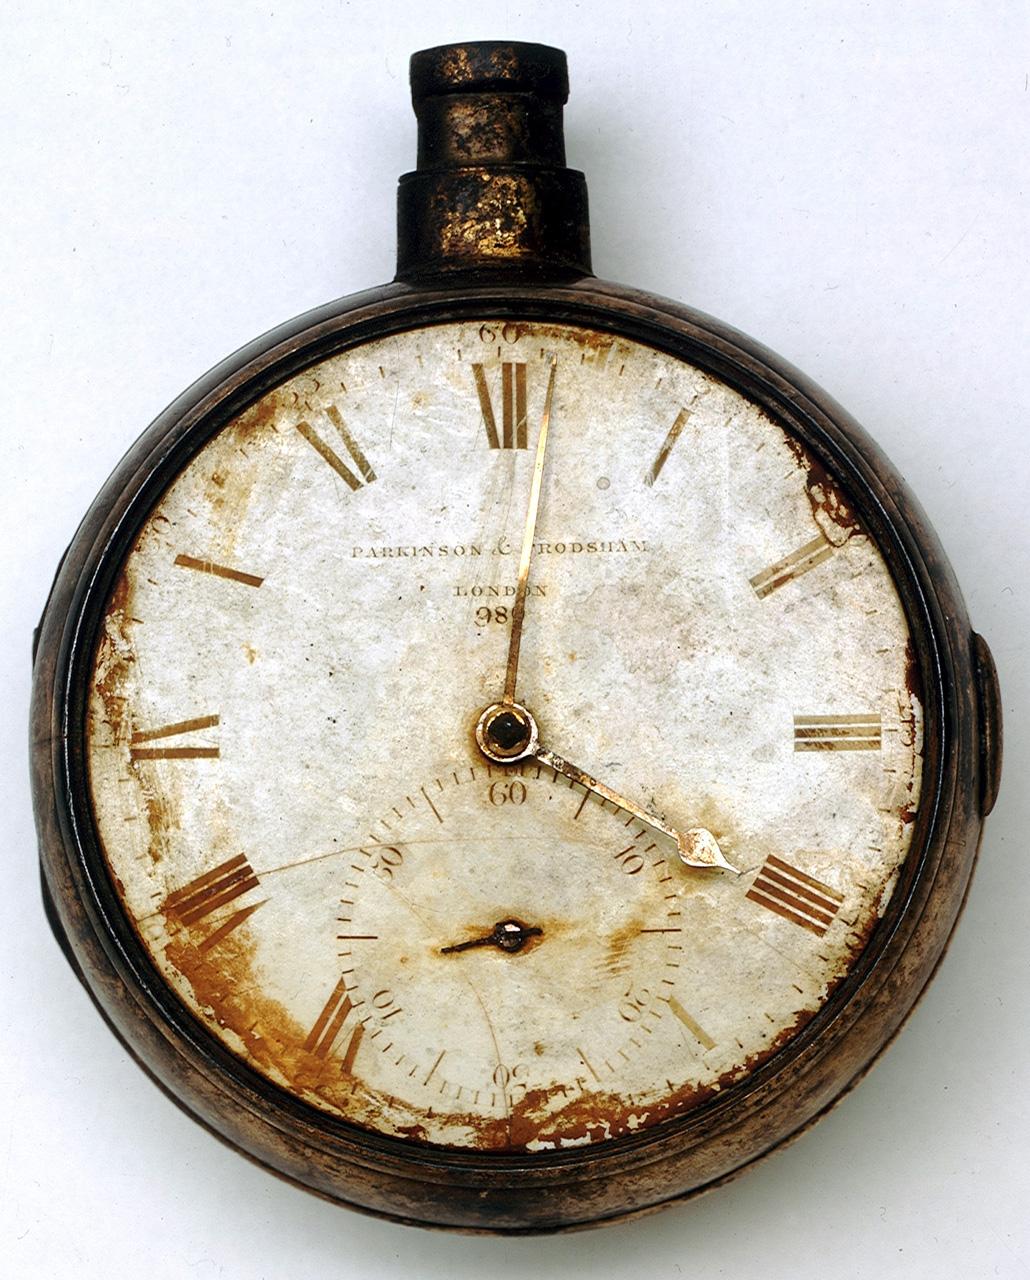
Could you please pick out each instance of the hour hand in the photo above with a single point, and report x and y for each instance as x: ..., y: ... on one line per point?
x: 507, y: 732
x: 697, y: 846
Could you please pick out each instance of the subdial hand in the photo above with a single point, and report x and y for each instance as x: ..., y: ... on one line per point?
x: 518, y: 612
x: 509, y: 935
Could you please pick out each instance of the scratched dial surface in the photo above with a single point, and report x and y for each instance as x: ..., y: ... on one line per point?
x: 334, y: 880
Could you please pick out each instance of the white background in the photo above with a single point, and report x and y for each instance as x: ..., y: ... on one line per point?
x: 845, y: 181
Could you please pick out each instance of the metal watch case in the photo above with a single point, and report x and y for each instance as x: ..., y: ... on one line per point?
x: 454, y: 268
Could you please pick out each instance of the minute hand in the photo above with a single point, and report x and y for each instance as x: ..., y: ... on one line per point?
x: 518, y: 613
x: 697, y: 847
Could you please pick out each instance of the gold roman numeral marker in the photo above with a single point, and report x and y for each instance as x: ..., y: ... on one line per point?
x: 326, y: 451
x: 139, y: 752
x: 218, y: 570
x: 792, y: 566
x: 695, y: 1028
x: 327, y: 1026
x: 351, y: 1052
x: 214, y: 889
x: 666, y: 449
x: 795, y: 896
x: 837, y: 733
x: 514, y: 432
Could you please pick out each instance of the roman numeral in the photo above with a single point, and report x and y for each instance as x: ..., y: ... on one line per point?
x: 792, y: 566
x: 139, y: 752
x: 208, y: 892
x: 351, y: 1052
x: 365, y: 473
x: 218, y: 570
x: 513, y: 406
x: 666, y: 449
x: 837, y: 733
x: 795, y: 896
x: 327, y: 1026
x: 695, y: 1028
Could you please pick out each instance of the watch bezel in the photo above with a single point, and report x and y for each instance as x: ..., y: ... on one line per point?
x: 807, y: 1074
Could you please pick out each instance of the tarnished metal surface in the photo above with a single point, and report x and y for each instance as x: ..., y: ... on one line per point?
x: 268, y: 684
x: 491, y: 191
x: 298, y: 820
x: 661, y: 1162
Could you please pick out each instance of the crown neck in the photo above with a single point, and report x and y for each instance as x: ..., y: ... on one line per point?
x: 491, y: 193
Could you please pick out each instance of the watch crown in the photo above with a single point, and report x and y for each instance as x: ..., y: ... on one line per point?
x: 491, y: 190
x: 499, y: 66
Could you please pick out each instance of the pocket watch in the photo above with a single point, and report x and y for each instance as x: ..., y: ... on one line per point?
x: 508, y: 750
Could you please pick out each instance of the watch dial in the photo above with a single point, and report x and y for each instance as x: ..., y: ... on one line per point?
x: 326, y: 868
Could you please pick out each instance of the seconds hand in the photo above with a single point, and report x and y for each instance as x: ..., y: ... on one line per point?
x: 518, y: 612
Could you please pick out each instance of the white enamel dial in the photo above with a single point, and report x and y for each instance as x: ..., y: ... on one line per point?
x: 319, y: 857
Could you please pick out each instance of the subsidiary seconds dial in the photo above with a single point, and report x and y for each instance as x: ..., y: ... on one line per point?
x: 358, y: 850
x: 511, y: 955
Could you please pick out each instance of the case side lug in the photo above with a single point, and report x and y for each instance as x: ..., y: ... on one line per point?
x: 989, y: 699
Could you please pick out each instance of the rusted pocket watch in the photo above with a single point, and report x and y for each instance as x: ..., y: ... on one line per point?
x: 508, y: 751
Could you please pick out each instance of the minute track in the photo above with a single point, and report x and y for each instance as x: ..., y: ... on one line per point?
x: 374, y: 693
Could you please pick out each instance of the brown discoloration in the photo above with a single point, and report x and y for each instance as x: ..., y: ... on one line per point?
x: 261, y: 418
x: 597, y: 1115
x: 595, y: 345
x: 525, y: 937
x: 910, y: 735
x: 113, y: 673
x: 860, y: 930
x: 831, y: 510
x: 114, y: 659
x: 913, y: 677
x: 230, y: 487
x: 385, y: 1114
x: 619, y: 942
x: 226, y: 986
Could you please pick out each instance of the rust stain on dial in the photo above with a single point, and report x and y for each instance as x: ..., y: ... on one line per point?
x: 299, y: 821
